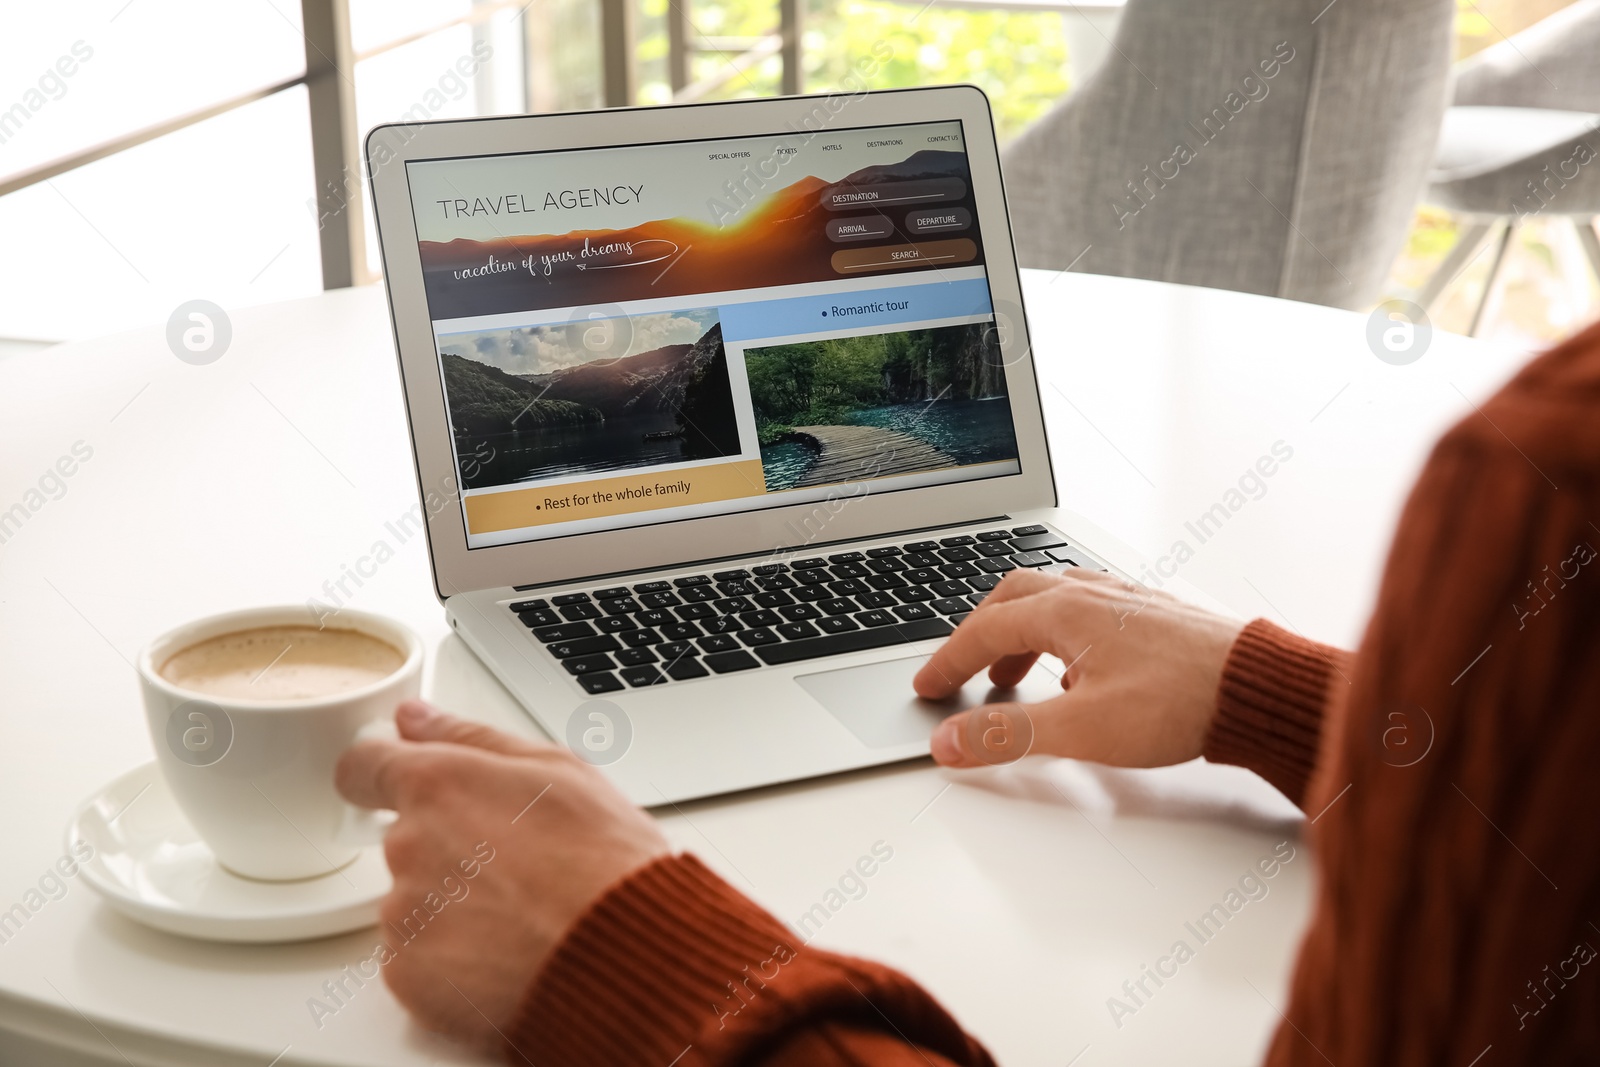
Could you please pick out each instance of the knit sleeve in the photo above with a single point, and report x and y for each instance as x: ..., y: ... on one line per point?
x: 1270, y: 705
x: 1459, y: 883
x: 675, y: 966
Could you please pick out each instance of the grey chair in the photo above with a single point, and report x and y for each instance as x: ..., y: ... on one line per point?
x: 1181, y: 160
x: 1521, y: 140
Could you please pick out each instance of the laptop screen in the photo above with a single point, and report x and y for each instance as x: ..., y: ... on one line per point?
x: 650, y: 333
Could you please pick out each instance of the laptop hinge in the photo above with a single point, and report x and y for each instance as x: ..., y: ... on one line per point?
x: 799, y: 550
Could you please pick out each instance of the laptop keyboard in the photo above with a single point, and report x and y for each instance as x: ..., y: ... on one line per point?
x: 673, y: 630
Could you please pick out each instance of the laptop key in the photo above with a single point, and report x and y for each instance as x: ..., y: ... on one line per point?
x: 565, y: 631
x: 876, y: 617
x: 994, y: 535
x: 921, y: 575
x: 574, y: 612
x: 1028, y: 531
x: 760, y: 618
x: 1034, y: 542
x: 639, y: 677
x: 717, y: 643
x: 722, y: 624
x: 846, y: 557
x: 652, y: 587
x: 959, y: 554
x: 583, y: 646
x: 529, y: 605
x: 1031, y: 559
x: 776, y: 582
x: 679, y: 631
x: 599, y: 682
x: 838, y: 606
x: 640, y: 638
x: 849, y: 570
x: 959, y: 570
x: 588, y: 664
x: 723, y: 662
x: 984, y: 582
x: 742, y: 587
x: 958, y: 539
x: 995, y: 548
x: 569, y: 598
x: 539, y: 617
x: 957, y: 620
x: 812, y: 577
x: 730, y: 576
x: 915, y: 594
x: 996, y: 566
x: 684, y: 669
x: 696, y: 612
x: 671, y: 650
x: 876, y: 600
x: 698, y: 594
x: 772, y: 600
x: 912, y: 612
x: 759, y: 636
x: 950, y: 588
x: 794, y: 631
x: 692, y: 580
x: 810, y: 594
x: 849, y: 587
x: 660, y: 600
x: 883, y: 552
x: 887, y: 565
x: 730, y: 604
x: 764, y: 570
x: 622, y: 605
x: 807, y: 564
x: 922, y: 559
x: 854, y: 641
x: 799, y: 612
x: 951, y: 605
x: 837, y: 624
x: 611, y: 593
x: 633, y: 657
x: 921, y: 546
x: 615, y: 624
x: 884, y: 582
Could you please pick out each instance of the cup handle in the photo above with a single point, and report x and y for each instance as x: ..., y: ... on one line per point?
x: 366, y: 826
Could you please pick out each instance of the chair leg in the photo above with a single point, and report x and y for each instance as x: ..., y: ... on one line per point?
x: 1465, y: 250
x: 1590, y: 242
x: 1494, y: 275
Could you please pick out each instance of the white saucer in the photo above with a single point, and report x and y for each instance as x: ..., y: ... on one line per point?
x: 150, y: 865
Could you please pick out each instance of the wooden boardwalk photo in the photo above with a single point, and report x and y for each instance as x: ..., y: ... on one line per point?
x: 851, y: 453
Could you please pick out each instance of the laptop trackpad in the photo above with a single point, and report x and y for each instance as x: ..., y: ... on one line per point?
x: 876, y: 702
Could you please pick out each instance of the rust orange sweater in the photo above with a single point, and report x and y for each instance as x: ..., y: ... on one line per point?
x: 1452, y: 764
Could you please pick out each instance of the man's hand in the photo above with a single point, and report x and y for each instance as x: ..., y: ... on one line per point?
x: 541, y: 833
x: 1141, y: 678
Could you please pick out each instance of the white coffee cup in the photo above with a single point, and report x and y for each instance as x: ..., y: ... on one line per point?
x: 255, y: 777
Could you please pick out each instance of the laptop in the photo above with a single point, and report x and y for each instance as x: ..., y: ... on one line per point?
x: 724, y: 416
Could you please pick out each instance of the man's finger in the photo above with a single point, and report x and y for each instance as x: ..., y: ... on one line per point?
x: 1014, y: 586
x: 366, y: 773
x: 1073, y: 725
x: 1019, y: 627
x: 420, y: 721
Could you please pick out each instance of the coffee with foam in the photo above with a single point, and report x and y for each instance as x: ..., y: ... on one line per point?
x: 282, y: 663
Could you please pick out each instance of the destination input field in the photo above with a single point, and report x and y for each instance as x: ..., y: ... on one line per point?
x: 880, y: 194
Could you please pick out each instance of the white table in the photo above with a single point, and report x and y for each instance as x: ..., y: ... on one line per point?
x: 1023, y: 897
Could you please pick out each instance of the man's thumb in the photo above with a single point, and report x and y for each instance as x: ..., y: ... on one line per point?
x: 987, y: 736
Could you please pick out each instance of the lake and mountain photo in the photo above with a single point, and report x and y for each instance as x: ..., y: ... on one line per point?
x: 548, y: 405
x: 851, y: 408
